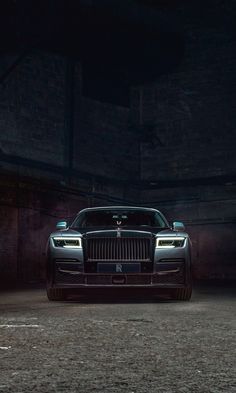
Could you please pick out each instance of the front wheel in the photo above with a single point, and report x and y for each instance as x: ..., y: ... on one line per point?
x: 182, y: 293
x: 56, y: 294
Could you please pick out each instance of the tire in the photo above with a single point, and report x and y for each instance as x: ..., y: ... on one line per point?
x: 182, y: 293
x: 56, y: 294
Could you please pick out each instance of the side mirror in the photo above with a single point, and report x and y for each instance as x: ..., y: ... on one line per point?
x: 178, y: 226
x: 61, y: 225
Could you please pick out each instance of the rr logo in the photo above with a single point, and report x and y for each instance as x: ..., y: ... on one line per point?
x: 118, y: 268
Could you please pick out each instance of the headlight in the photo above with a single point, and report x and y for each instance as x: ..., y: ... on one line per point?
x: 170, y: 242
x: 67, y: 242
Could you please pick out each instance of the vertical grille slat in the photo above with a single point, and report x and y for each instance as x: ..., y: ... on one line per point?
x: 110, y: 249
x: 95, y: 248
x: 122, y: 249
x: 126, y: 248
x: 105, y: 249
x: 133, y: 252
x: 141, y: 249
x: 116, y: 246
x: 144, y: 249
x: 100, y: 248
x: 93, y: 253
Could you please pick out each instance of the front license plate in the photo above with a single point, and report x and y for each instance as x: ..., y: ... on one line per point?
x: 119, y: 268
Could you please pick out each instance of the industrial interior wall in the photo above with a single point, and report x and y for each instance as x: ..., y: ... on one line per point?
x: 32, y: 109
x: 107, y: 144
x: 188, y: 155
x: 38, y: 115
x: 29, y: 211
x: 208, y: 213
x: 44, y: 118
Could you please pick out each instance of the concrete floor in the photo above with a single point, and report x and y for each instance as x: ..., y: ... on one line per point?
x: 129, y: 345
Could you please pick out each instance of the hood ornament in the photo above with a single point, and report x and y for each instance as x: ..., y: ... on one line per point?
x: 118, y: 232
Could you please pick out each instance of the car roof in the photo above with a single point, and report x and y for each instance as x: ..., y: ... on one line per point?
x: 99, y: 208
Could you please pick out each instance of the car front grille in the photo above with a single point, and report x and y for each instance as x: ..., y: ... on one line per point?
x: 119, y: 249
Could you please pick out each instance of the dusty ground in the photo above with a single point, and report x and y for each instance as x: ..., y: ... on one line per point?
x: 129, y: 345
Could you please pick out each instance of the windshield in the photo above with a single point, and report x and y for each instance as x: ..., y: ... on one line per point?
x: 106, y: 218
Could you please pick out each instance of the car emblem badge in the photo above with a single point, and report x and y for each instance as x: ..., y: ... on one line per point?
x: 118, y: 268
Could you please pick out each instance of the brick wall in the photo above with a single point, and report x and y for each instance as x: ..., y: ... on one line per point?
x: 29, y: 211
x: 209, y: 214
x: 40, y: 181
x: 188, y: 134
x: 104, y: 141
x: 192, y: 111
x: 32, y: 109
x: 37, y: 117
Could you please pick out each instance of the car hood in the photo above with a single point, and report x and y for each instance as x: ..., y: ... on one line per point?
x: 118, y: 232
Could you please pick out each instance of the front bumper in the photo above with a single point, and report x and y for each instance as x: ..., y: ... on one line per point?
x: 169, y: 274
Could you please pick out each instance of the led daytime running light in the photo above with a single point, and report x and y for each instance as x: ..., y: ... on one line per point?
x: 67, y: 242
x: 170, y: 242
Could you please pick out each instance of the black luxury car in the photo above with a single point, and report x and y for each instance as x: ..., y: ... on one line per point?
x: 119, y: 246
